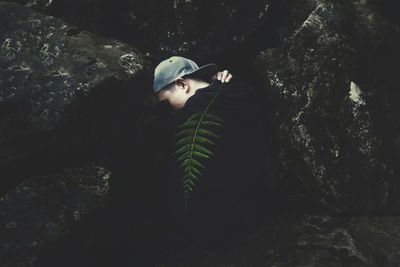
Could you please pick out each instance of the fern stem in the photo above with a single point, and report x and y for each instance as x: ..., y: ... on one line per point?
x: 198, y: 126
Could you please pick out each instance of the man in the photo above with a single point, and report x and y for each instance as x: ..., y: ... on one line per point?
x: 224, y: 198
x: 180, y: 73
x: 147, y: 212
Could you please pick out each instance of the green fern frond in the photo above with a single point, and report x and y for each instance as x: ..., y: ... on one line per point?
x: 202, y: 149
x: 191, y: 147
x: 207, y: 132
x: 189, y: 123
x: 213, y: 117
x: 211, y: 123
x: 186, y: 132
x: 204, y: 140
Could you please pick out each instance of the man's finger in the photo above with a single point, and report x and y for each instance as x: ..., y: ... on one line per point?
x: 224, y: 75
x: 219, y: 75
x: 228, y: 78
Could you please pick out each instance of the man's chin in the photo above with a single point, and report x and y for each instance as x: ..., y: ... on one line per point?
x: 176, y: 107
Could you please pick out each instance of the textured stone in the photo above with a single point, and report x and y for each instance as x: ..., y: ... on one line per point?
x: 333, y: 83
x: 199, y: 29
x: 352, y: 241
x: 333, y: 89
x: 47, y: 68
x: 309, y: 240
x: 45, y: 209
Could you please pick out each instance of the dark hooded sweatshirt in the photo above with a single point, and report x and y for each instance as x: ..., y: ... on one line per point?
x: 225, y: 201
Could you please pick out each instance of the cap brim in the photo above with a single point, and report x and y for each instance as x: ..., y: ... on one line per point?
x: 205, y: 72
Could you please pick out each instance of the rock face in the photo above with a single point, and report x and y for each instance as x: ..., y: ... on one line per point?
x: 354, y: 241
x: 68, y: 95
x: 334, y: 92
x: 58, y: 89
x: 36, y: 4
x: 45, y: 209
x: 199, y: 29
x: 311, y: 241
x: 61, y: 92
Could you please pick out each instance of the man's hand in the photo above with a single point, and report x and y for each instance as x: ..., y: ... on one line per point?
x: 224, y: 76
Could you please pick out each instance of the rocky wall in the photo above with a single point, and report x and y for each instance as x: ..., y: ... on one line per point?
x: 332, y: 87
x: 60, y: 91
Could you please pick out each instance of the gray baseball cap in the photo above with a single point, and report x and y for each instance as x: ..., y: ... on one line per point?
x: 174, y: 67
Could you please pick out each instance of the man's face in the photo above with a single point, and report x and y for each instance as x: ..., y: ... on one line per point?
x: 176, y: 94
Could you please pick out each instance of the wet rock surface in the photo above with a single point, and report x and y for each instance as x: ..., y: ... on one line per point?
x: 336, y: 105
x: 57, y: 89
x: 45, y: 209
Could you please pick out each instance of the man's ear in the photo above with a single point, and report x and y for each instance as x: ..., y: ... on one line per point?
x: 182, y: 83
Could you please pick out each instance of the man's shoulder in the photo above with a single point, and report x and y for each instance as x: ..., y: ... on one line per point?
x: 234, y: 89
x: 238, y: 86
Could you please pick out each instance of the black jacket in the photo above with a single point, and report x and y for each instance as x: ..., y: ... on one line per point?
x: 226, y: 198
